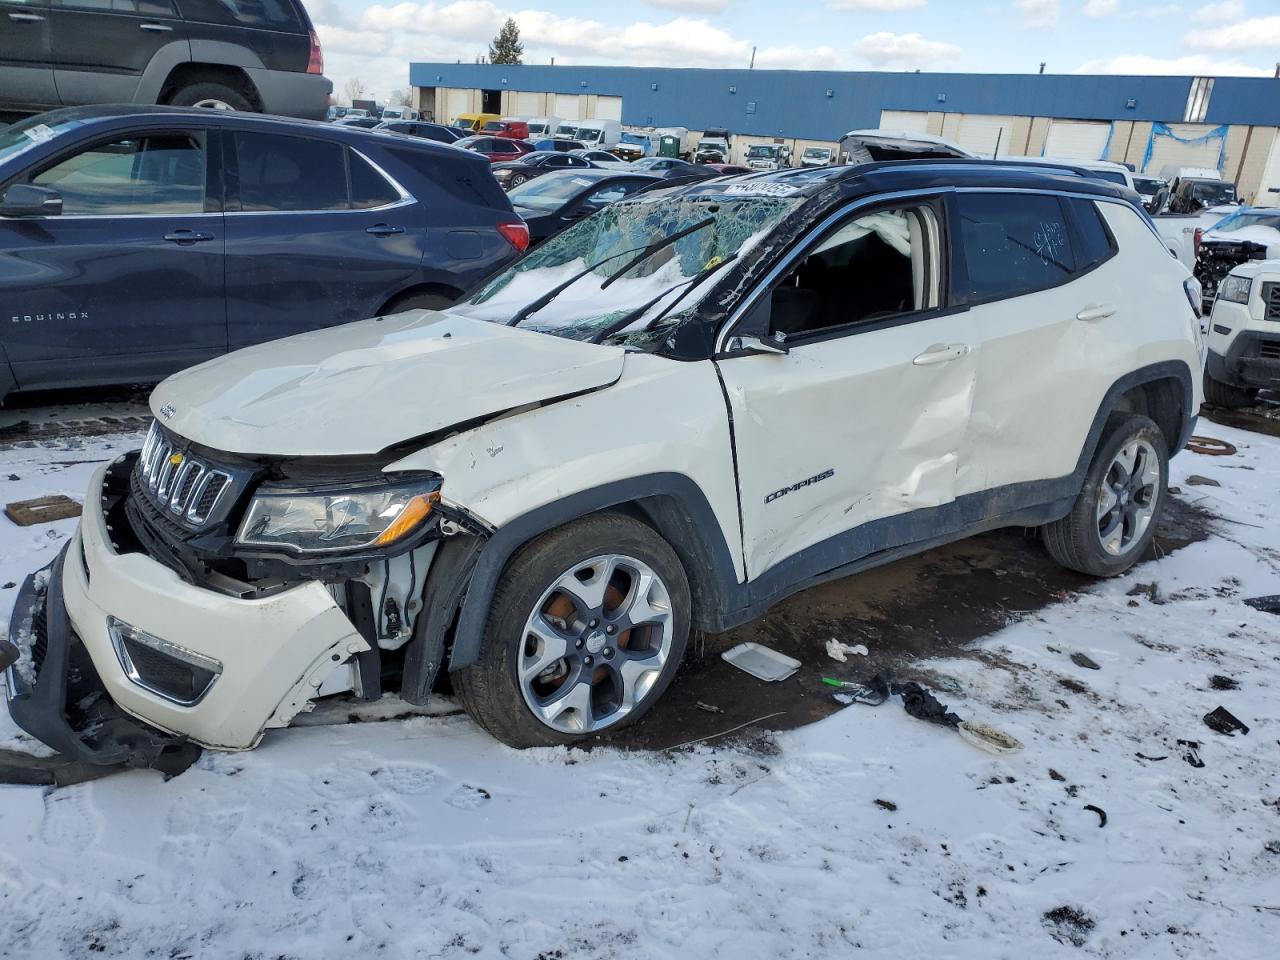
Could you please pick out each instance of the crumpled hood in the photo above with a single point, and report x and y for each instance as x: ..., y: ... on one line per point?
x: 361, y: 387
x: 1266, y: 236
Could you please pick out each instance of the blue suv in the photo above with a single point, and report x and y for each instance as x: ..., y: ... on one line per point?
x: 135, y: 241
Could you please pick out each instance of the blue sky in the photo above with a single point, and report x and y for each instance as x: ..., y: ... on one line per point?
x: 376, y: 41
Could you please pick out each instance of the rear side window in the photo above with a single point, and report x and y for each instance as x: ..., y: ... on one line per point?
x: 290, y: 173
x: 148, y: 8
x: 369, y: 188
x: 1013, y: 244
x: 471, y: 183
x: 266, y: 14
x: 1094, y: 243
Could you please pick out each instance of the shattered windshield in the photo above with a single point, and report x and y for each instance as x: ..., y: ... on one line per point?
x: 608, y: 244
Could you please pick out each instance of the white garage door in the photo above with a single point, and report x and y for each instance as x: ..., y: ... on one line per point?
x: 1269, y: 189
x: 1077, y: 140
x: 457, y: 102
x: 529, y: 104
x: 1192, y: 145
x: 904, y: 121
x: 566, y: 107
x: 608, y: 108
x: 980, y: 134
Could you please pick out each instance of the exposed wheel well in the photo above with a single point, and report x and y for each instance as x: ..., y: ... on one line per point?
x: 1163, y: 401
x: 422, y: 289
x: 185, y: 74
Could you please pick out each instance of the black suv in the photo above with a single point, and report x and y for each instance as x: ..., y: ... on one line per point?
x: 260, y: 56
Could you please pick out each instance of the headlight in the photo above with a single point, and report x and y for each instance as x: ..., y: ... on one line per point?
x: 338, y: 520
x: 1236, y: 289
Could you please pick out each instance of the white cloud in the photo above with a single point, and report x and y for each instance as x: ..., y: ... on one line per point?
x: 904, y: 50
x: 1192, y: 65
x: 1039, y: 14
x: 1251, y: 34
x: 1218, y: 13
x: 692, y: 6
x: 879, y: 5
x: 1101, y: 8
x: 378, y: 43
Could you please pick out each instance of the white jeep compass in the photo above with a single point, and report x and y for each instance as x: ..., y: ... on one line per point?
x: 667, y: 418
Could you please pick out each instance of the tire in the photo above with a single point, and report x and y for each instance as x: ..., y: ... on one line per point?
x: 208, y: 93
x: 1219, y: 394
x: 417, y: 301
x: 532, y: 618
x: 518, y: 179
x: 1085, y: 539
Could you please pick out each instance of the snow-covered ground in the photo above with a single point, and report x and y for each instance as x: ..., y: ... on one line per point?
x: 425, y: 838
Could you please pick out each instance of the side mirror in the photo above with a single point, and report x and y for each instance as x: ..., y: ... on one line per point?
x: 28, y: 200
x: 747, y: 344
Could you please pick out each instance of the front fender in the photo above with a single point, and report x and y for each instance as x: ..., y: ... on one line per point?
x: 658, y: 438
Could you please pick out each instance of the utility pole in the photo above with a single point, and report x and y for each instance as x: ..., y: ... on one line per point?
x: 753, y: 61
x: 1042, y: 68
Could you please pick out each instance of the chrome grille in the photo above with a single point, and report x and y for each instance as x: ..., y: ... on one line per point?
x: 178, y: 482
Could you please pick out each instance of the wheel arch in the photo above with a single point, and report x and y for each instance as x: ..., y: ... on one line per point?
x: 185, y: 74
x: 671, y: 503
x: 413, y: 290
x: 1162, y: 391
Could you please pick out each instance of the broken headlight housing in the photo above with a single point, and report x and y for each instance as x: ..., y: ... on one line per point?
x: 338, y: 519
x: 1235, y: 289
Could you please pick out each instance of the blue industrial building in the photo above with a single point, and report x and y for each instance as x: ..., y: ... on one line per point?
x: 821, y: 104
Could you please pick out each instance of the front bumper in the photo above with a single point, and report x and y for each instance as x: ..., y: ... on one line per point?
x: 1251, y: 360
x: 273, y: 652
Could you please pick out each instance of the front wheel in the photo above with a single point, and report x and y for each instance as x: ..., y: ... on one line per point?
x: 586, y: 630
x: 518, y: 179
x: 1113, y: 519
x: 1219, y: 394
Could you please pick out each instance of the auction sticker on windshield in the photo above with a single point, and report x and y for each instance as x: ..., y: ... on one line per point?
x: 39, y: 133
x: 762, y: 189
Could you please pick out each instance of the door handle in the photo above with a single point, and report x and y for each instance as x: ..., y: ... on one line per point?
x: 156, y: 27
x: 383, y: 230
x: 26, y: 17
x: 1097, y: 311
x: 187, y: 237
x: 941, y: 353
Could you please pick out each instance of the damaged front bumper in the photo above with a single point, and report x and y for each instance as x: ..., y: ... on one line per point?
x: 55, y: 694
x: 190, y: 662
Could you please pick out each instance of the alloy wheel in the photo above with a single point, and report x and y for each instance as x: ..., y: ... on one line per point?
x: 1127, y: 497
x: 595, y: 644
x: 212, y: 103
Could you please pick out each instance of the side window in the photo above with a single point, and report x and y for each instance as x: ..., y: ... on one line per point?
x: 1095, y: 243
x: 269, y: 14
x: 147, y: 8
x: 611, y: 193
x: 369, y: 188
x: 290, y: 173
x: 559, y: 160
x: 871, y: 267
x: 576, y: 162
x: 159, y: 174
x: 1014, y: 244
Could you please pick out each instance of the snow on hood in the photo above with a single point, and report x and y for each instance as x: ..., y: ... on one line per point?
x: 361, y: 387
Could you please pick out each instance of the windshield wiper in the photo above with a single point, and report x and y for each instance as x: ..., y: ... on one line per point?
x: 657, y: 245
x: 533, y: 306
x: 633, y: 315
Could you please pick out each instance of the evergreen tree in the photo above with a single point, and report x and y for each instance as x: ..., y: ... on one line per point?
x: 506, y: 46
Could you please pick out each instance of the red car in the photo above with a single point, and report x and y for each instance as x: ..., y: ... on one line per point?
x: 495, y: 148
x: 510, y: 128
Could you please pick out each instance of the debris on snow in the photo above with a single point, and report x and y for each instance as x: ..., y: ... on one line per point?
x: 1221, y: 720
x: 841, y: 651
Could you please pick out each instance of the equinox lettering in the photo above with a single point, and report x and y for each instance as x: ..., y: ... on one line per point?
x: 40, y: 317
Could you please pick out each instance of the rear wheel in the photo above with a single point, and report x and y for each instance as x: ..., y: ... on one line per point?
x: 1224, y: 395
x: 424, y: 300
x: 586, y: 630
x: 210, y: 94
x: 1113, y: 520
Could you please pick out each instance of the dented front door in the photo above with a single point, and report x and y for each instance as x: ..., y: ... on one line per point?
x: 839, y: 440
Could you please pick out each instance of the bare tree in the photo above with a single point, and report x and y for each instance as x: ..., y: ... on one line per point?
x: 354, y: 88
x: 400, y: 98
